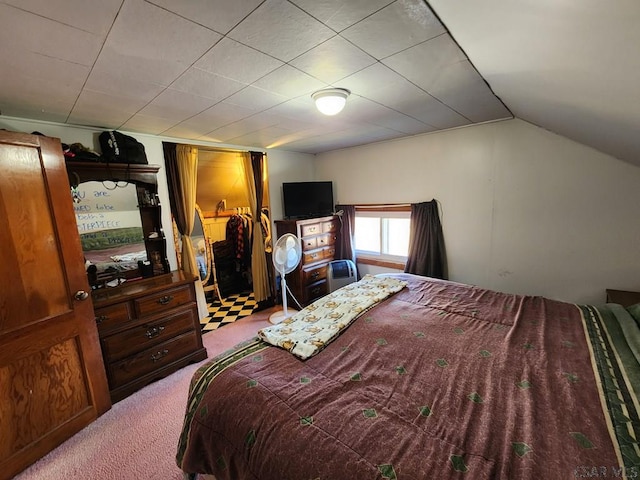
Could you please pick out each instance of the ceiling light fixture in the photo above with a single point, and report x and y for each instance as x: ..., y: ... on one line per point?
x: 330, y: 101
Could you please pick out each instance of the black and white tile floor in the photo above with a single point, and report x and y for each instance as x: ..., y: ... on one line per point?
x: 235, y: 307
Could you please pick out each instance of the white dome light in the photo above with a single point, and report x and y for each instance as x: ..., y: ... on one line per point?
x: 331, y: 100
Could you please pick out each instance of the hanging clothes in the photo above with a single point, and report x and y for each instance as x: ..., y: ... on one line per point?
x: 239, y: 231
x: 235, y: 234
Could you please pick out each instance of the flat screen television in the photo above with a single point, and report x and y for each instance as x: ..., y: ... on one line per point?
x: 307, y: 199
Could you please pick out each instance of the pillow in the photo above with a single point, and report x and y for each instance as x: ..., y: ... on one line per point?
x: 634, y: 311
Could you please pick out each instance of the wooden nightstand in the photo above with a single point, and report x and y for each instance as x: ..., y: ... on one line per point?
x: 623, y: 297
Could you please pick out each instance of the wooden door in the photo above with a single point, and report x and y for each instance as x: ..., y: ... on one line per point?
x: 52, y: 379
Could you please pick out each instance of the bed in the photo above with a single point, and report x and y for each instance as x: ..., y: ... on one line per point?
x: 439, y: 380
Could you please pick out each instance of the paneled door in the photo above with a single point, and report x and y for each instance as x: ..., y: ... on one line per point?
x: 52, y: 379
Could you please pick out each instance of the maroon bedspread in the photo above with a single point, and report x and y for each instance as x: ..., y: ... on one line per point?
x: 441, y: 381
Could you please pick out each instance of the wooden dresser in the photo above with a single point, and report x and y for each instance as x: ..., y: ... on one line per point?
x: 318, y: 237
x: 148, y: 329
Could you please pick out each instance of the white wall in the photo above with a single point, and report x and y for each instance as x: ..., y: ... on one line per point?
x: 524, y: 210
x: 286, y: 167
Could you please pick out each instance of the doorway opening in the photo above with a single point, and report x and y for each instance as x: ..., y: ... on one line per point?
x: 224, y: 232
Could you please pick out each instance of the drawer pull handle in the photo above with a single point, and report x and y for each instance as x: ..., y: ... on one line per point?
x: 101, y: 318
x: 165, y: 299
x: 157, y: 356
x: 154, y: 331
x: 315, y: 275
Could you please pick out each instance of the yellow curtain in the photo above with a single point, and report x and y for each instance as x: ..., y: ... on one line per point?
x: 188, y: 171
x: 259, y: 271
x: 187, y: 160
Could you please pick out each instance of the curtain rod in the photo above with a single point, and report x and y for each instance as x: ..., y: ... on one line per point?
x: 384, y: 205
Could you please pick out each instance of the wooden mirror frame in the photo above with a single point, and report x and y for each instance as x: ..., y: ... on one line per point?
x: 177, y: 243
x: 145, y: 178
x: 207, y: 246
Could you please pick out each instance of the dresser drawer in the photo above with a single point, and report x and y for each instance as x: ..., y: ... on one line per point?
x: 325, y: 240
x: 309, y: 243
x: 147, y: 334
x: 311, y: 275
x: 313, y: 256
x: 112, y: 316
x: 311, y: 229
x: 152, y: 359
x: 330, y: 227
x: 329, y: 253
x: 315, y: 291
x: 163, y: 301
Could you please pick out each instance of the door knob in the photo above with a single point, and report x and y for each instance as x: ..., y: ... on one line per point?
x: 81, y: 295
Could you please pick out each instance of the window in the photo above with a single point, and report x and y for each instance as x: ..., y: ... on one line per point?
x: 382, y: 234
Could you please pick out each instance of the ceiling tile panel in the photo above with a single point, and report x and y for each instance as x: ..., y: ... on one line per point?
x: 255, y: 99
x: 332, y: 60
x: 290, y: 82
x: 152, y: 44
x: 423, y: 64
x: 205, y: 84
x: 21, y: 31
x: 217, y: 116
x: 366, y: 111
x: 22, y: 97
x: 260, y: 138
x: 97, y: 19
x: 343, y: 139
x: 290, y: 125
x: 63, y: 77
x: 219, y: 15
x: 339, y: 14
x: 102, y: 110
x: 176, y: 105
x: 396, y: 92
x: 25, y: 92
x: 123, y: 81
x: 302, y: 109
x: 433, y: 112
x: 238, y: 62
x: 396, y: 27
x: 186, y: 130
x: 241, y: 127
x: 281, y: 30
x: 461, y: 87
x: 147, y: 124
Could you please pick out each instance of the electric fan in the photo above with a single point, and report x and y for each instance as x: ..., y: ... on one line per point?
x: 287, y: 253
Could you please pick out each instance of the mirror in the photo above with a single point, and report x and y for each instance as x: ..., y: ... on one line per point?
x: 201, y: 247
x: 200, y: 243
x: 110, y: 229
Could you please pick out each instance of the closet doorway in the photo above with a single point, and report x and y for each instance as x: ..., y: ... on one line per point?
x: 223, y: 197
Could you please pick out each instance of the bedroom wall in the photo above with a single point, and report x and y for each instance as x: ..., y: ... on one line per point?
x: 523, y: 210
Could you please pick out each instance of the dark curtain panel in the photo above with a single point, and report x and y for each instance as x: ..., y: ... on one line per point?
x: 173, y: 182
x: 262, y: 284
x: 345, y: 248
x: 257, y: 161
x: 427, y: 256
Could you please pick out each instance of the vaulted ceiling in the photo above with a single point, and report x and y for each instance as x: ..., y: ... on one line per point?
x: 242, y: 72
